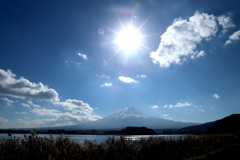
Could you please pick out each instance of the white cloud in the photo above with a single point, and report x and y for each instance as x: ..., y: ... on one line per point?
x: 52, y: 122
x: 234, y: 37
x: 3, y: 120
x: 79, y: 108
x: 165, y: 106
x: 106, y: 85
x: 7, y: 101
x: 23, y: 88
x: 142, y: 76
x: 83, y: 56
x: 154, y: 107
x: 34, y: 105
x: 21, y: 112
x: 76, y: 106
x: 126, y: 79
x: 103, y: 76
x: 166, y: 116
x: 105, y: 62
x: 46, y: 112
x: 25, y: 105
x: 225, y: 22
x: 71, y: 63
x: 216, y: 96
x: 181, y: 38
x: 80, y: 112
x: 177, y: 105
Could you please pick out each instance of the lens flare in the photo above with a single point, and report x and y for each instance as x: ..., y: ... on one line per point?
x: 101, y: 31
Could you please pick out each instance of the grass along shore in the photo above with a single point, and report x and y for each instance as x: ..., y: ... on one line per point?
x: 39, y: 148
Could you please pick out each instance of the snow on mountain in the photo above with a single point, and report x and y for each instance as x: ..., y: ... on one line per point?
x: 128, y: 112
x: 128, y: 116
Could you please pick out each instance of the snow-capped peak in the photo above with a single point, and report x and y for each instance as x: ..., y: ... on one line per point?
x: 128, y: 112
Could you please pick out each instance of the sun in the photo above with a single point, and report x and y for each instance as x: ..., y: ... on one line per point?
x: 129, y: 39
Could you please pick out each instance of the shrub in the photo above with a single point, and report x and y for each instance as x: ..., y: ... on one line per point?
x: 63, y: 148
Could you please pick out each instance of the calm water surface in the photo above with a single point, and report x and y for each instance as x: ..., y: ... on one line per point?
x: 98, y: 138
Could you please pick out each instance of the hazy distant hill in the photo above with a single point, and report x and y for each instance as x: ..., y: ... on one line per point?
x: 195, y: 129
x: 128, y: 116
x: 228, y: 124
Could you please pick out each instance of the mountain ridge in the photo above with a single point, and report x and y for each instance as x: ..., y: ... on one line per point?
x: 128, y: 112
x: 129, y: 116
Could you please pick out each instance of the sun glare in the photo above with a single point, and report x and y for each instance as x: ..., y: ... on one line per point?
x: 129, y: 39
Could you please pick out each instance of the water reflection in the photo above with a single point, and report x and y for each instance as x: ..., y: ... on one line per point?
x: 97, y: 138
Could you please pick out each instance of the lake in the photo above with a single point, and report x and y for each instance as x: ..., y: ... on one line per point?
x: 81, y: 138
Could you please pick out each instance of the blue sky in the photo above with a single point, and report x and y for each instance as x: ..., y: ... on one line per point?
x: 67, y: 62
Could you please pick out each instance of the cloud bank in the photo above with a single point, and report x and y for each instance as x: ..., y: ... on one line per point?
x: 78, y: 112
x: 23, y: 88
x: 3, y: 120
x: 181, y: 38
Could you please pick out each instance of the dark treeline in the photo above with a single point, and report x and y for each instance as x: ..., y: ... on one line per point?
x: 59, y: 131
x: 124, y: 131
x: 137, y: 131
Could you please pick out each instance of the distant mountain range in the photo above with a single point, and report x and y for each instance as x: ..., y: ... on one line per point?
x: 128, y: 116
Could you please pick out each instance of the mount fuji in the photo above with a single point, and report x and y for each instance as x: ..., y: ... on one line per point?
x: 128, y: 112
x: 129, y: 116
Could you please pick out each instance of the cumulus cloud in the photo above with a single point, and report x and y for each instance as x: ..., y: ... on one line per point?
x: 3, y: 120
x: 154, y: 107
x: 126, y: 79
x: 234, y: 37
x: 25, y: 105
x: 7, y: 101
x: 142, y: 76
x: 106, y: 85
x: 181, y: 38
x: 83, y: 56
x: 103, y: 76
x: 177, y: 105
x: 34, y: 105
x: 77, y: 106
x: 46, y: 112
x: 225, y: 22
x: 216, y: 96
x: 166, y: 116
x: 23, y: 88
x: 80, y: 112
